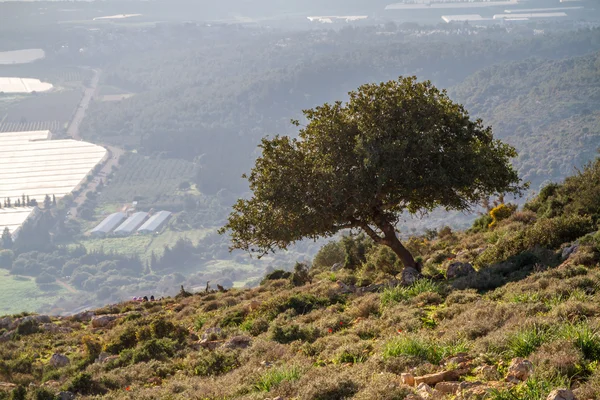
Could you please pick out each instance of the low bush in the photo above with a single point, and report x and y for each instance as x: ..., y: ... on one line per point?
x: 291, y: 332
x: 400, y: 293
x: 424, y: 349
x: 212, y: 363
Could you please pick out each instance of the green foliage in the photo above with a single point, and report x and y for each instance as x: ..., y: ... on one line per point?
x: 527, y: 340
x: 154, y: 349
x: 82, y: 383
x: 361, y: 164
x: 501, y: 212
x: 275, y: 275
x: 401, y: 293
x: 28, y: 327
x: 328, y: 255
x: 382, y: 259
x: 291, y: 332
x: 126, y: 340
x: 422, y: 348
x: 43, y: 394
x: 300, y: 275
x: 18, y: 393
x: 585, y: 339
x: 274, y: 376
x: 533, y: 389
x: 213, y: 363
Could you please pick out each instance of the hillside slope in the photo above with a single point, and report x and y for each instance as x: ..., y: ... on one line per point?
x: 345, y: 329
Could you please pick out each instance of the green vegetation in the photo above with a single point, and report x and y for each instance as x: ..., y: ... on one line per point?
x: 18, y: 293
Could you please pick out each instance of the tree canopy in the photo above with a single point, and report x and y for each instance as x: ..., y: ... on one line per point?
x: 393, y: 147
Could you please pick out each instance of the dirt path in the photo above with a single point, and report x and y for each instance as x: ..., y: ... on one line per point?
x: 66, y: 286
x: 114, y: 153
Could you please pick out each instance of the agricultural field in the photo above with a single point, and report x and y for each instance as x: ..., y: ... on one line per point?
x: 58, y: 75
x: 147, y: 180
x: 142, y: 245
x: 21, y: 56
x: 43, y: 111
x: 29, y: 295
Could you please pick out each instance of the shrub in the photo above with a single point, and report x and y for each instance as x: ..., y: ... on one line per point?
x: 18, y: 393
x: 585, y: 339
x: 216, y: 363
x: 82, y: 383
x: 501, y: 212
x: 233, y: 318
x: 274, y: 376
x: 329, y: 389
x: 28, y: 327
x: 92, y: 348
x: 292, y: 332
x: 300, y: 276
x: 382, y: 259
x: 126, y: 340
x: 43, y: 394
x: 481, y: 224
x: 154, y: 349
x: 275, y: 275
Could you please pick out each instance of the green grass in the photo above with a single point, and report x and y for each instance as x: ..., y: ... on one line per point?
x: 427, y: 350
x: 131, y: 245
x: 19, y: 294
x: 400, y: 293
x: 273, y: 377
x: 527, y: 340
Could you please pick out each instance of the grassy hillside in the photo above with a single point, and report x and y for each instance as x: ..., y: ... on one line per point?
x: 352, y: 331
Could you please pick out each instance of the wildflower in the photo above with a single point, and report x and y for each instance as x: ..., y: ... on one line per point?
x: 128, y: 388
x: 330, y: 330
x: 399, y: 330
x: 341, y: 323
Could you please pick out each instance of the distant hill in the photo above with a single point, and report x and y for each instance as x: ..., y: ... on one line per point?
x: 550, y: 110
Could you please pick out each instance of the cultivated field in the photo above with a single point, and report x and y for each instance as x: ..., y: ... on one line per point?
x: 147, y: 180
x: 19, y: 294
x: 52, y: 126
x: 21, y: 56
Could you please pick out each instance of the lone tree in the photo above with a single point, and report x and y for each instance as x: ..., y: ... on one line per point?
x: 393, y: 147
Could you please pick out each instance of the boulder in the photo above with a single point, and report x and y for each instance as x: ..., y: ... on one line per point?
x: 59, y: 360
x: 210, y: 344
x: 102, y: 320
x: 84, y: 316
x: 238, y: 342
x: 7, y: 323
x: 568, y: 251
x: 458, y: 359
x: 519, y: 370
x: 337, y: 266
x: 561, y: 394
x: 7, y: 385
x: 458, y: 269
x: 409, y: 276
x: 6, y: 336
x: 66, y: 396
x: 448, y: 387
x: 425, y: 391
x: 407, y: 379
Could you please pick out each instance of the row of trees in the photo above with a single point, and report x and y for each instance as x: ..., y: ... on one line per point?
x: 25, y: 201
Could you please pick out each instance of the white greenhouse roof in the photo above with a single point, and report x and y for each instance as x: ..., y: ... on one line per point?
x: 464, y: 18
x: 534, y: 15
x: 155, y: 221
x: 23, y: 85
x: 33, y: 166
x: 132, y: 223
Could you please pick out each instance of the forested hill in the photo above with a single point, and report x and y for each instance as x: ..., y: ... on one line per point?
x: 549, y: 110
x: 214, y: 104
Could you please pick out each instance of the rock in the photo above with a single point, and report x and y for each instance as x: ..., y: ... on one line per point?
x: 570, y: 250
x: 266, y: 364
x: 254, y: 305
x: 488, y: 372
x: 407, y: 379
x: 458, y: 269
x: 211, y: 334
x: 238, y: 342
x: 7, y: 323
x: 413, y: 396
x: 424, y: 390
x: 458, y: 359
x: 155, y: 380
x: 346, y: 288
x: 7, y: 385
x: 561, y: 394
x: 519, y: 370
x: 84, y: 316
x: 448, y: 387
x: 59, y: 360
x: 6, y: 336
x: 102, y: 357
x: 444, y: 376
x: 409, y: 276
x: 211, y: 344
x: 66, y: 396
x: 337, y: 266
x: 40, y: 319
x: 102, y: 320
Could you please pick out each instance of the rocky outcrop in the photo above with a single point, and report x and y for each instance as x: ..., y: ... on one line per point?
x: 519, y: 370
x: 238, y: 342
x: 407, y: 379
x: 444, y: 376
x: 409, y: 276
x: 102, y: 321
x: 561, y: 394
x: 59, y: 360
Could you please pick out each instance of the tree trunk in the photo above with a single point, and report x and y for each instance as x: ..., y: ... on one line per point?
x: 394, y: 243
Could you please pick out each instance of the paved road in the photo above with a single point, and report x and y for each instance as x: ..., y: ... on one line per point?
x: 89, y: 92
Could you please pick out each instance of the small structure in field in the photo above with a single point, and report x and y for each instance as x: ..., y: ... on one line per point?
x: 131, y: 224
x: 155, y: 222
x: 109, y: 223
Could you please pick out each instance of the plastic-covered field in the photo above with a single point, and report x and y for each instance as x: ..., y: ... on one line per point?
x: 13, y: 217
x: 34, y: 166
x: 20, y: 56
x: 23, y: 85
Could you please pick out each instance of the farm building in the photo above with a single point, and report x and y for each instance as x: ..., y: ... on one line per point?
x: 155, y: 222
x: 131, y: 224
x: 109, y: 223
